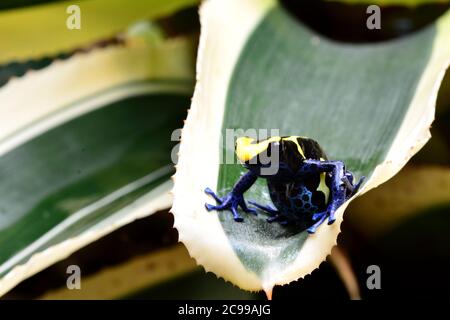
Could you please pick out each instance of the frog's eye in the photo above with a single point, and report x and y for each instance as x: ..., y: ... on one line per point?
x: 248, y: 148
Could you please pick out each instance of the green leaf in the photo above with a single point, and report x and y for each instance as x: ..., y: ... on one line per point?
x: 25, y: 33
x: 85, y: 148
x: 368, y: 105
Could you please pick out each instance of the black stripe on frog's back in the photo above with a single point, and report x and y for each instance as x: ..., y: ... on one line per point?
x: 311, y: 149
x: 290, y: 154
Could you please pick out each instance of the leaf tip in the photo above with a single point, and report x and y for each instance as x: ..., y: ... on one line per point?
x: 268, y: 290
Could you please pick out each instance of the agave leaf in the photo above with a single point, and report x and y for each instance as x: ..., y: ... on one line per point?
x: 25, y: 32
x: 85, y: 148
x: 368, y: 105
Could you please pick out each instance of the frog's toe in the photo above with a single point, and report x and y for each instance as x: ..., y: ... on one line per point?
x: 246, y: 208
x: 331, y: 219
x: 314, y: 227
x: 268, y: 209
x: 208, y: 191
x: 358, y: 185
x: 331, y: 216
x: 231, y: 202
x: 236, y: 215
x: 319, y: 218
x: 318, y: 215
x: 210, y: 207
x: 223, y: 205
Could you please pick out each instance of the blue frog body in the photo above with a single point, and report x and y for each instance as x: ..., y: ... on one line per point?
x: 304, y: 186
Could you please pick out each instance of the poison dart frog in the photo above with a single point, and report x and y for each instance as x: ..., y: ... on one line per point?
x: 306, y: 188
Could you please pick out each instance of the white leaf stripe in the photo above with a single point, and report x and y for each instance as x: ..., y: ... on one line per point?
x: 45, y: 93
x: 89, y: 104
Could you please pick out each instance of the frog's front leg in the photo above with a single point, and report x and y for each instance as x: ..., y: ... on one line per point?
x: 235, y: 198
x: 342, y: 181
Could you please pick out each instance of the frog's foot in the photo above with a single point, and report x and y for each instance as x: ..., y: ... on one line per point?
x: 229, y: 202
x: 319, y: 218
